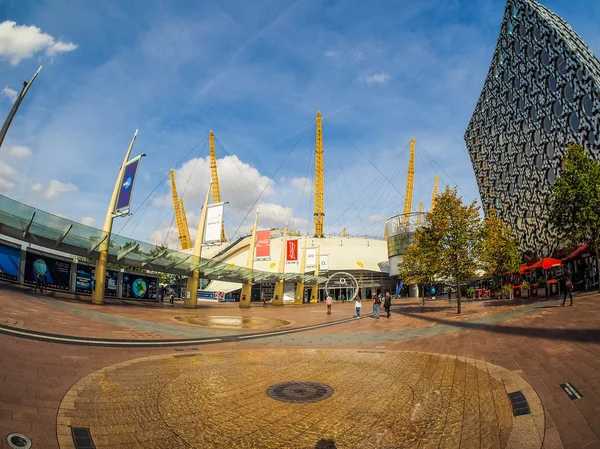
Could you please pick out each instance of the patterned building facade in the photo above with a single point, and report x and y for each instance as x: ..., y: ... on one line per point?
x: 541, y: 93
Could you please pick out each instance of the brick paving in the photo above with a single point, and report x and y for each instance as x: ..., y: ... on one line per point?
x: 545, y: 347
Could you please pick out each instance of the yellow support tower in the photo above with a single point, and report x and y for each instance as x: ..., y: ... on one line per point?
x: 435, y: 189
x: 344, y: 233
x: 420, y: 211
x: 385, y: 233
x: 410, y: 183
x: 184, y: 237
x: 319, y: 180
x: 186, y: 229
x: 216, y: 193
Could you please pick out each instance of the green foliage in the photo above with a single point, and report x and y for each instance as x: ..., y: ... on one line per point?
x: 575, y: 199
x: 524, y: 285
x: 499, y: 250
x: 446, y: 246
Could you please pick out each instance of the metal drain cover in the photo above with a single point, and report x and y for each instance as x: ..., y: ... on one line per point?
x: 299, y: 392
x: 18, y: 441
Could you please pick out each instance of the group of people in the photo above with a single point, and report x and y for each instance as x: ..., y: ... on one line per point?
x: 377, y: 301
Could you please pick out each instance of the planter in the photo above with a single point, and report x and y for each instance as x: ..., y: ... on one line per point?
x: 525, y: 293
x: 517, y: 291
x: 533, y: 291
x: 541, y: 293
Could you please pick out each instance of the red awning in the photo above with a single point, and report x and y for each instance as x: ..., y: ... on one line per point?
x: 544, y: 264
x: 582, y: 249
x: 522, y: 269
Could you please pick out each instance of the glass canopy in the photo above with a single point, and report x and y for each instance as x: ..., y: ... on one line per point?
x: 35, y: 226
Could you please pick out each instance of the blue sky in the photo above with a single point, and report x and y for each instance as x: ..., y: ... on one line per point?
x: 255, y: 73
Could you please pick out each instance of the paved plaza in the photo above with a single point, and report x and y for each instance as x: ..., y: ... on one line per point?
x: 294, y: 377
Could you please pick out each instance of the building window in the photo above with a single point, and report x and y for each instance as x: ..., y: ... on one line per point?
x: 533, y: 113
x: 592, y: 138
x: 587, y: 105
x: 569, y: 93
x: 515, y: 11
x: 561, y: 65
x: 550, y: 150
x: 544, y: 57
x: 523, y: 29
x: 537, y: 35
x: 539, y: 163
x: 552, y: 84
x: 550, y: 176
x: 557, y: 108
x: 547, y: 124
x: 574, y: 122
x: 537, y: 137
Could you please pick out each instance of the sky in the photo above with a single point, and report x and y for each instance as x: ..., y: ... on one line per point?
x: 255, y: 73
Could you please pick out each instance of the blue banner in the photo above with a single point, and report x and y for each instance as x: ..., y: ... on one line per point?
x: 9, y: 262
x: 51, y: 272
x: 138, y: 286
x: 84, y: 281
x: 126, y: 189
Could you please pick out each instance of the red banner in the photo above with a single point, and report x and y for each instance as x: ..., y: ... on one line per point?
x: 292, y: 251
x: 263, y: 244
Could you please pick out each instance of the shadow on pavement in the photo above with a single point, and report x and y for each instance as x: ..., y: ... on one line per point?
x: 583, y: 335
x: 325, y: 444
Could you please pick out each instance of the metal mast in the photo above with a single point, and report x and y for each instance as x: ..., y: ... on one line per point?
x: 216, y: 193
x: 319, y: 180
x: 410, y: 183
x: 435, y: 189
x: 184, y: 237
x: 420, y: 212
x: 186, y: 229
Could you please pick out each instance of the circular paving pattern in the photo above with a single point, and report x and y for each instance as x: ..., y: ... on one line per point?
x: 378, y: 399
x: 299, y: 392
x: 232, y: 322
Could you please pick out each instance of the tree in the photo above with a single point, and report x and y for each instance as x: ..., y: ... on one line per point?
x: 575, y: 200
x: 456, y: 229
x: 420, y: 262
x: 499, y: 253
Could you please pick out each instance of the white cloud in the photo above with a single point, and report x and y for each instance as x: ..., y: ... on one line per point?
x: 374, y: 219
x: 303, y: 185
x: 19, y: 151
x: 9, y: 93
x: 54, y: 189
x: 88, y: 221
x: 8, y: 176
x: 19, y: 42
x: 331, y: 54
x: 377, y: 78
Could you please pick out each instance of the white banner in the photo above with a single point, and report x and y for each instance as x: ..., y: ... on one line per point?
x: 214, y: 222
x: 311, y: 257
x: 324, y: 266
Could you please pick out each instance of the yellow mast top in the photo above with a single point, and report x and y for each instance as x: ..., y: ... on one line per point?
x: 319, y: 180
x: 183, y: 235
x: 435, y: 190
x: 214, y: 175
x: 186, y: 229
x: 420, y: 211
x: 410, y: 183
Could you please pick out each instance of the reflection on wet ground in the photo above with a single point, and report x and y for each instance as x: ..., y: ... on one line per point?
x: 378, y: 400
x: 235, y: 322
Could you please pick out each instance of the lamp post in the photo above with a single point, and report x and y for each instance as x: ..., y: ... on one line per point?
x: 13, y: 111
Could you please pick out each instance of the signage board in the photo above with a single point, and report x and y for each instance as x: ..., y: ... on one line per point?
x: 205, y: 295
x: 324, y: 263
x: 138, y: 286
x: 9, y: 262
x: 127, y: 181
x: 214, y: 223
x: 291, y: 254
x: 263, y: 245
x: 311, y: 257
x: 54, y: 273
x: 84, y: 281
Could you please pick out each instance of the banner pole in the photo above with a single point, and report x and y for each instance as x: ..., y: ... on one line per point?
x: 299, y: 299
x: 15, y: 107
x: 191, y: 294
x: 100, y: 273
x: 246, y: 296
x: 278, y: 300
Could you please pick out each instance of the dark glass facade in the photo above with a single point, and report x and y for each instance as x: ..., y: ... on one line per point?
x: 541, y: 93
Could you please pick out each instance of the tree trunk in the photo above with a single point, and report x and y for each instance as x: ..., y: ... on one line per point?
x: 457, y: 297
x: 598, y: 271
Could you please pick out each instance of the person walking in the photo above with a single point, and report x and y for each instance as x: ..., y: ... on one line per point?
x: 387, y: 304
x: 567, y: 285
x: 376, y: 302
x: 358, y: 305
x: 449, y: 294
x: 38, y: 284
x: 329, y: 302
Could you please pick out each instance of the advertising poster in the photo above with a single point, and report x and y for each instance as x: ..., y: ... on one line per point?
x: 9, y: 262
x: 311, y: 257
x: 214, y: 223
x: 124, y: 198
x: 55, y: 273
x: 324, y: 265
x: 263, y: 245
x: 291, y: 255
x: 138, y: 286
x: 84, y: 281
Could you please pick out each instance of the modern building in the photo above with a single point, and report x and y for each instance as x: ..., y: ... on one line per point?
x: 540, y: 94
